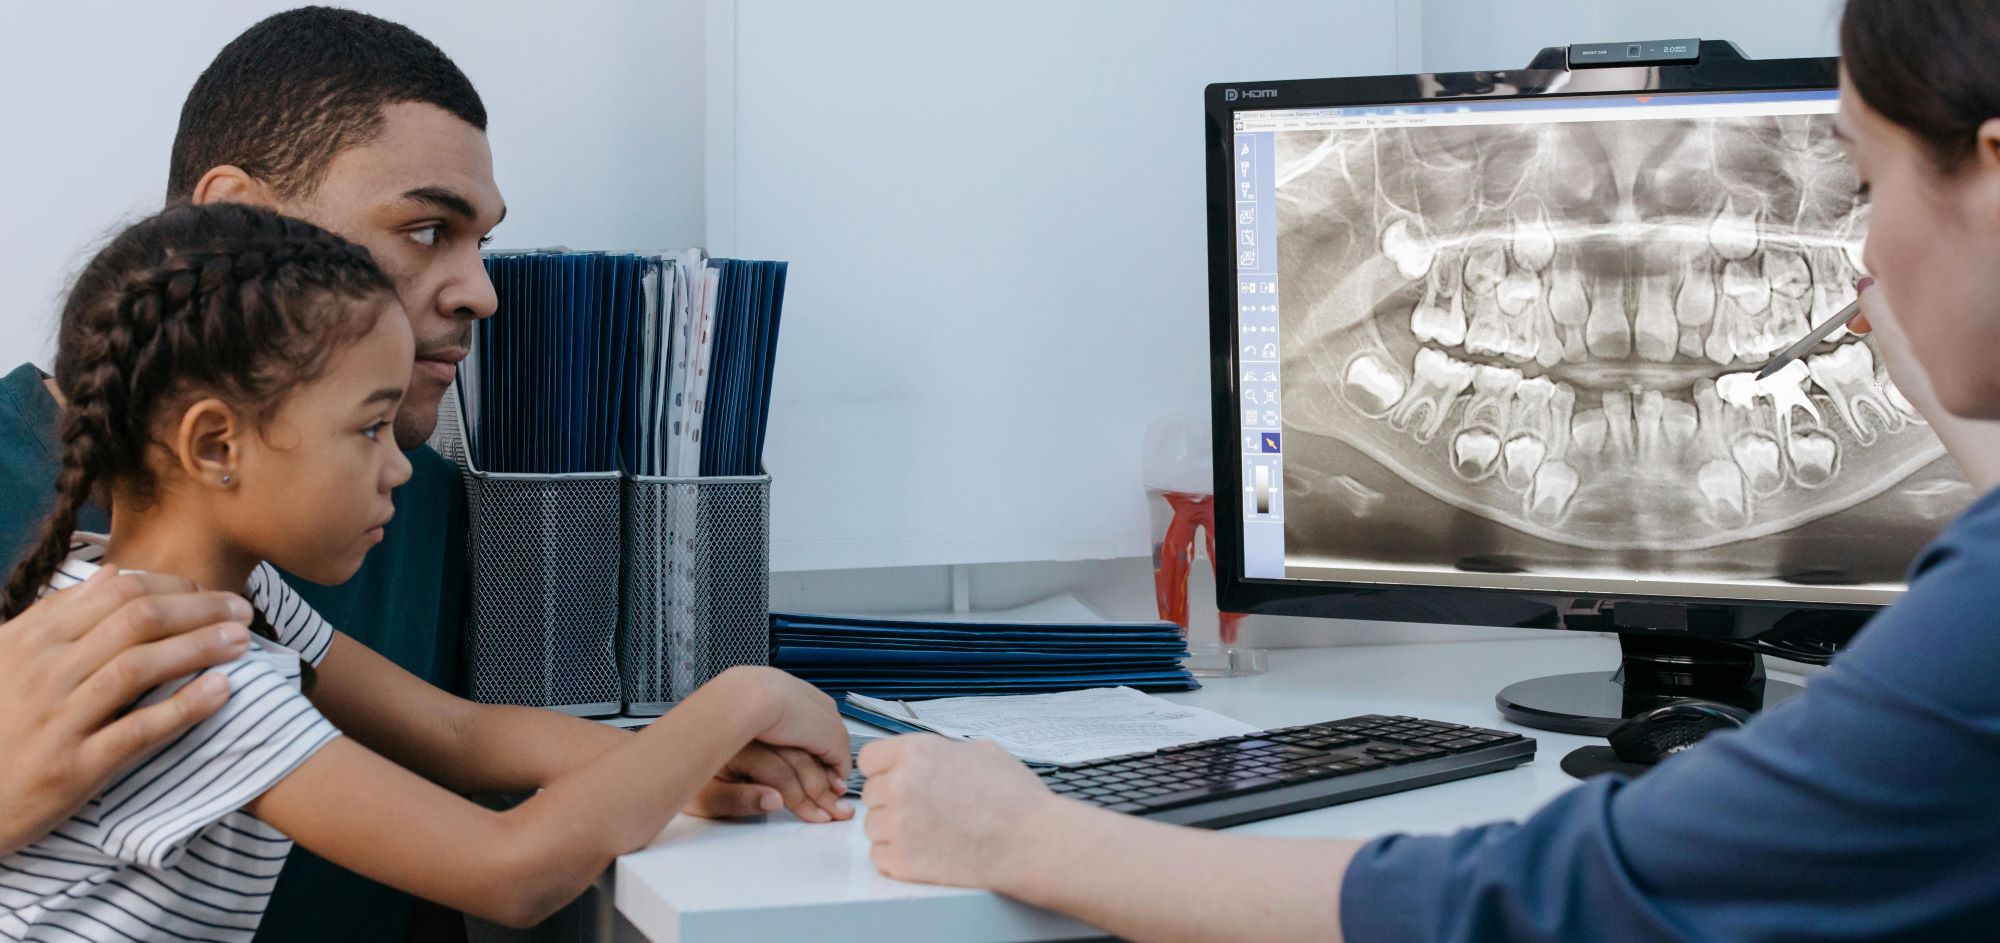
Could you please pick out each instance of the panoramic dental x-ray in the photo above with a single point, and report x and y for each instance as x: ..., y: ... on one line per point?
x: 1539, y: 341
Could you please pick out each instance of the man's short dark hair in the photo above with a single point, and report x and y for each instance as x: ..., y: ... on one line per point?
x: 298, y: 88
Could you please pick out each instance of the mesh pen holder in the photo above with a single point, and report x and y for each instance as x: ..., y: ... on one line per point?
x: 697, y: 584
x: 542, y: 622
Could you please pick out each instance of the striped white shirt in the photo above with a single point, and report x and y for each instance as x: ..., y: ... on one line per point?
x: 166, y: 852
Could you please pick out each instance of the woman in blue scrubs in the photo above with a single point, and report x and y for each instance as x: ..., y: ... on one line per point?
x: 1866, y: 809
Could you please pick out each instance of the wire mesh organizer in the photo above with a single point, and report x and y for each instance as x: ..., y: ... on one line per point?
x: 594, y: 593
x: 543, y: 556
x: 697, y: 584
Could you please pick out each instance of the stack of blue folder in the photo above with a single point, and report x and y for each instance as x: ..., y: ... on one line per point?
x: 904, y: 659
x: 549, y: 380
x: 600, y: 361
x: 750, y: 302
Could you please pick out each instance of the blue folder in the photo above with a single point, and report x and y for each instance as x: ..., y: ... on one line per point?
x: 567, y: 381
x: 914, y: 658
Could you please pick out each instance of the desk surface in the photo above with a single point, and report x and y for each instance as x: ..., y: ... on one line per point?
x: 782, y: 879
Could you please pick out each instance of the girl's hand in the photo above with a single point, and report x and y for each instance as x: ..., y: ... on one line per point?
x: 763, y: 779
x: 952, y: 813
x: 795, y: 715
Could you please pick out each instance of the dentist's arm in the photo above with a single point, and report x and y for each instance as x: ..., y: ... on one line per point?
x: 970, y: 815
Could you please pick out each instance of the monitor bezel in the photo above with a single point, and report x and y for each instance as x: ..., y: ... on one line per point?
x: 1720, y: 69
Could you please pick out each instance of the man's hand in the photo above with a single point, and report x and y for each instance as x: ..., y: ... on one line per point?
x: 763, y: 779
x: 74, y: 661
x: 950, y: 813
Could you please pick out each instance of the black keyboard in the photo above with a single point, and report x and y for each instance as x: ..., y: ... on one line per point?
x: 1232, y: 780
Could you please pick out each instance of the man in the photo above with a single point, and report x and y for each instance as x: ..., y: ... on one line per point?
x: 363, y: 127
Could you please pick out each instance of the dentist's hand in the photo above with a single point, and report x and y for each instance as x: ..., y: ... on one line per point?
x: 1973, y: 443
x: 944, y: 812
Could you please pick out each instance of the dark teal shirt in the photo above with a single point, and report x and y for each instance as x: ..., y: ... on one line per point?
x: 405, y: 603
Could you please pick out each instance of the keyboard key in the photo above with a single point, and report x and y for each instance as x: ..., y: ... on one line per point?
x: 1183, y: 797
x: 1250, y: 746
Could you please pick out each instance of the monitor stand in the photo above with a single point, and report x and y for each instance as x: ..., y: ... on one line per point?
x: 1655, y: 670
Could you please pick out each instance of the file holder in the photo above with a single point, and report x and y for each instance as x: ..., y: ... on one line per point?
x: 696, y: 584
x: 543, y: 556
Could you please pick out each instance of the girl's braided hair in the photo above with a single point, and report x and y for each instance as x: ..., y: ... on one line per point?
x: 219, y: 300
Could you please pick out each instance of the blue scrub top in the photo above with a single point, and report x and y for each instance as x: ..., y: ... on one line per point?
x: 1867, y: 808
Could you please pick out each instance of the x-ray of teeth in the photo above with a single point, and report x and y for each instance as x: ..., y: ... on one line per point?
x: 1540, y: 340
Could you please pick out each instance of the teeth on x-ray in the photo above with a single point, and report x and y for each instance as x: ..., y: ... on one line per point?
x: 1358, y: 499
x: 1848, y: 371
x: 1558, y: 328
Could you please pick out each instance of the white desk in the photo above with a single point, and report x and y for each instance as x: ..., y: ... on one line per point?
x: 709, y: 882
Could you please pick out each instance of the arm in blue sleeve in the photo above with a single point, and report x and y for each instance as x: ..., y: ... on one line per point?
x: 1864, y: 809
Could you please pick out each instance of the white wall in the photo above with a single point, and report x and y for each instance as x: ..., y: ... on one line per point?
x: 595, y: 117
x: 634, y: 124
x: 996, y: 222
x: 1468, y: 35
x: 1448, y: 35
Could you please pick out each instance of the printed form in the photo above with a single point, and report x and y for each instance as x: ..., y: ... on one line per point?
x: 1062, y: 729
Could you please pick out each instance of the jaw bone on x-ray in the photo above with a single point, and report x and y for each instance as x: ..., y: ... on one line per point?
x: 1540, y: 340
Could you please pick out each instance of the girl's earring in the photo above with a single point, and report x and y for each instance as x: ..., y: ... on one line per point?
x: 225, y: 478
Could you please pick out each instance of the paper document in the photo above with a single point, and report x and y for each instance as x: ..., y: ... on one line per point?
x: 1065, y: 728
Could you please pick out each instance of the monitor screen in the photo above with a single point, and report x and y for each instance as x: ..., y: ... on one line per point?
x: 1512, y: 343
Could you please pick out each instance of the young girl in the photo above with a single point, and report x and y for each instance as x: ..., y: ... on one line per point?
x: 230, y: 377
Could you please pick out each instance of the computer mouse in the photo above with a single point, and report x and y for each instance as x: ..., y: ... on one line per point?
x: 1651, y: 736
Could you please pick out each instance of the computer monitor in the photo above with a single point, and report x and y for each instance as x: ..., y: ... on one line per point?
x: 1484, y: 348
